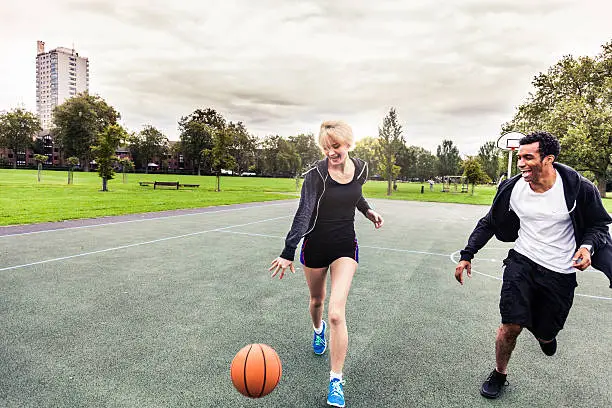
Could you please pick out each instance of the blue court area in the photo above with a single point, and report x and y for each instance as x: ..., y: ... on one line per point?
x: 149, y: 311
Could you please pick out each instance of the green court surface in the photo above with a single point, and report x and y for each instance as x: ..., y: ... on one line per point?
x: 150, y: 312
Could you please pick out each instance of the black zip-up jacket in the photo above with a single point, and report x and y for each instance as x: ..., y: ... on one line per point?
x: 588, y: 215
x: 313, y: 190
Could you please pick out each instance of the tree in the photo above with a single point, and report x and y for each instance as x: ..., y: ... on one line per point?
x: 196, y: 137
x: 416, y: 162
x: 365, y: 149
x: 78, y: 123
x: 219, y: 155
x: 288, y: 159
x: 473, y: 172
x: 38, y: 146
x: 448, y: 159
x: 147, y: 145
x: 489, y: 156
x: 573, y: 101
x: 266, y: 160
x: 105, y: 152
x: 243, y: 148
x: 404, y: 159
x: 72, y: 162
x: 306, y: 148
x: 426, y: 164
x: 17, y: 130
x: 302, y: 153
x: 126, y: 165
x: 40, y: 159
x: 197, y: 131
x: 390, y: 140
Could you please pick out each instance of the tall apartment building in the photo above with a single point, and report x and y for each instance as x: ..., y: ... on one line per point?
x: 60, y: 74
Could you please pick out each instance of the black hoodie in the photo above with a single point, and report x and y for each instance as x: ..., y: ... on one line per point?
x: 588, y: 215
x: 313, y: 190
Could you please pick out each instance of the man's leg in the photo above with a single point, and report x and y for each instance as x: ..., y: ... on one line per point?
x: 504, y: 345
x: 551, y: 307
x: 516, y: 301
x: 515, y: 309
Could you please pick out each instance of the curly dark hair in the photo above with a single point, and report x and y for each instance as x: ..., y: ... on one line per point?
x: 548, y: 143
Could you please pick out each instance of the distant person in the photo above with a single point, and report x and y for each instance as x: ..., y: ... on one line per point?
x: 325, y: 219
x: 431, y: 185
x: 558, y: 224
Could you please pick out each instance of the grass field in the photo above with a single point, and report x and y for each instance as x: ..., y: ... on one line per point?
x: 483, y: 194
x: 23, y: 200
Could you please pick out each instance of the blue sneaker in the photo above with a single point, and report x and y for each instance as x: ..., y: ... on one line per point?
x: 335, y: 397
x: 319, y: 345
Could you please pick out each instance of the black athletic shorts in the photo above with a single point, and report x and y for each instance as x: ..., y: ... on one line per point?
x: 319, y: 254
x: 535, y: 297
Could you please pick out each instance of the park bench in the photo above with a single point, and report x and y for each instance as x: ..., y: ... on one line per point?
x: 174, y: 184
x: 166, y: 183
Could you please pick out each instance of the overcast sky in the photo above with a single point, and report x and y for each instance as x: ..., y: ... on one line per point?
x: 453, y: 69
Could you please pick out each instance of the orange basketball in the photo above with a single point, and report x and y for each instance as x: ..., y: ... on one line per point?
x: 256, y: 370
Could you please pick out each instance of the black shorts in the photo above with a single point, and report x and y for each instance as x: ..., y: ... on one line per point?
x: 535, y: 297
x: 319, y: 254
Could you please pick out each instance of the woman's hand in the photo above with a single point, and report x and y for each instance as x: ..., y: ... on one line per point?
x: 280, y: 264
x: 375, y: 218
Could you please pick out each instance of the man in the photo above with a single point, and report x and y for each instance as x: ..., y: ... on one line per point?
x: 559, y: 225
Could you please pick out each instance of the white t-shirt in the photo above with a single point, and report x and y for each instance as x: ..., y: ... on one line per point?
x: 546, y: 233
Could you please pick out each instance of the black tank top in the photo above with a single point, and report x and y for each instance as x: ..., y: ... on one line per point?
x: 336, y: 217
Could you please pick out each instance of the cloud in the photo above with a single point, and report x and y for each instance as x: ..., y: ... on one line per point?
x: 453, y: 69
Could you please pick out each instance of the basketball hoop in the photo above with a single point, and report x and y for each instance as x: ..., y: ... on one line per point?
x: 512, y: 144
x: 510, y: 141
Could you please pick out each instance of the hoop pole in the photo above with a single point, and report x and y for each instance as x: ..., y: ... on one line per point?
x: 510, y: 162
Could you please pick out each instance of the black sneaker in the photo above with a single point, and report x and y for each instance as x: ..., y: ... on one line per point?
x: 493, y: 385
x: 549, y: 348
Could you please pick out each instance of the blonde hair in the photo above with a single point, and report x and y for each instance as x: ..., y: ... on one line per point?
x: 338, y: 131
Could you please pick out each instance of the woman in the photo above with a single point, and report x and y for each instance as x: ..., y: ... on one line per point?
x: 325, y: 219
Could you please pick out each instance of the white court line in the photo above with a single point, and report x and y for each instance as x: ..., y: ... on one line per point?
x: 452, y: 258
x: 223, y: 229
x: 136, y: 244
x: 253, y: 234
x: 140, y: 219
x: 402, y: 250
x: 360, y: 246
x: 594, y: 297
